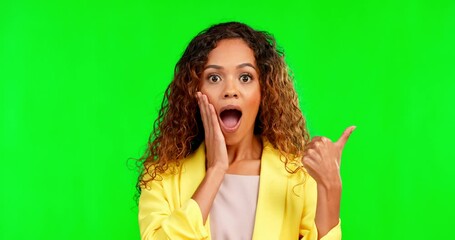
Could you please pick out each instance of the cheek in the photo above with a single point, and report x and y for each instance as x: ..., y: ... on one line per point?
x: 253, y: 105
x: 255, y: 100
x: 207, y: 93
x: 203, y: 89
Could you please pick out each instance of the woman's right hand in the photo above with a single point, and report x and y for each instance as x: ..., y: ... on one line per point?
x: 215, y: 145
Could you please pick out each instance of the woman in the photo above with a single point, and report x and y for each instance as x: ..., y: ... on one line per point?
x: 230, y: 156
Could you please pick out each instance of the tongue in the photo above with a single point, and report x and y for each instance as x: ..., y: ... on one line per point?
x: 230, y: 119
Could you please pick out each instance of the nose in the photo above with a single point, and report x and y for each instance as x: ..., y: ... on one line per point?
x: 229, y: 94
x: 230, y: 90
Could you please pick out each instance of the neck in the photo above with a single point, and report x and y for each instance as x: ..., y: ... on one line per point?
x: 249, y: 147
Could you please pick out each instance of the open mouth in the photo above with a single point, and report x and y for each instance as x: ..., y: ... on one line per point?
x: 230, y: 118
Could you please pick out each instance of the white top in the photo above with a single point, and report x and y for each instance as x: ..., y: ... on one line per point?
x: 234, y: 209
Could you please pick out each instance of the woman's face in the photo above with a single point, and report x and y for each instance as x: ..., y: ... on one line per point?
x: 230, y: 80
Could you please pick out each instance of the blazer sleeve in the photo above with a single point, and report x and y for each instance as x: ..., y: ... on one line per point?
x: 159, y: 220
x: 308, y: 229
x: 334, y: 233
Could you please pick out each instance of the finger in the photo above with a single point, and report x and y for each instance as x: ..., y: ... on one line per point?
x: 321, y: 139
x: 214, y: 117
x: 344, y: 137
x: 316, y: 143
x: 315, y: 147
x: 202, y: 110
x: 307, y: 161
x: 313, y: 154
x: 309, y: 164
x: 208, y: 115
x: 317, y: 139
x: 323, y: 149
x: 311, y: 144
x: 215, y: 123
x: 325, y: 140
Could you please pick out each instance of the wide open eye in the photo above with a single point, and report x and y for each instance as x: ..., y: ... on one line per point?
x: 245, y: 78
x: 214, y: 78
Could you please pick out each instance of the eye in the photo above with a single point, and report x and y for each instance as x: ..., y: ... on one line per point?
x: 245, y: 78
x: 214, y: 78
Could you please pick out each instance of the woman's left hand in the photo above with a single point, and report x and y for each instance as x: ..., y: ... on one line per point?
x: 322, y: 159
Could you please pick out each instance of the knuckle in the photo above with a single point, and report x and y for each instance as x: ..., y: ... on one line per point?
x: 326, y: 140
x: 306, y: 161
x: 311, y: 151
x: 317, y: 138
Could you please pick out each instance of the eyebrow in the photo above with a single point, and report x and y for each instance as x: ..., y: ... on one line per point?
x: 239, y: 66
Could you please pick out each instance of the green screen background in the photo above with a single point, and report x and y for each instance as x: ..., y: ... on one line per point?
x: 81, y: 83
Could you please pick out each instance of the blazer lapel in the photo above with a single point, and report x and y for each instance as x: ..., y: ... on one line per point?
x: 192, y: 173
x: 272, y: 195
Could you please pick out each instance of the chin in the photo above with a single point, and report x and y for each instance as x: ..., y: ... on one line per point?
x: 232, y: 139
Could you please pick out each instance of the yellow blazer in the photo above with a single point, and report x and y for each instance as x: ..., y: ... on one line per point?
x: 285, y: 209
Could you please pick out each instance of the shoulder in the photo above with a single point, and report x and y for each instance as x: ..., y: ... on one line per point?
x: 192, y: 165
x: 195, y: 162
x: 284, y: 163
x: 288, y: 166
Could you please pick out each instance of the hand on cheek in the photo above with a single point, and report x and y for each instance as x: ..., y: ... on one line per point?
x: 216, y: 152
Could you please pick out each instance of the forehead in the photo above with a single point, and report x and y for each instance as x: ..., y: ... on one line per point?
x: 231, y: 52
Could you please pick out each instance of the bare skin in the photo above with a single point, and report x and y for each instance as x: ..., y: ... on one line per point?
x: 231, y: 78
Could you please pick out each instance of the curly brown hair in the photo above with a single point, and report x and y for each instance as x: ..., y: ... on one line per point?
x: 178, y: 130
